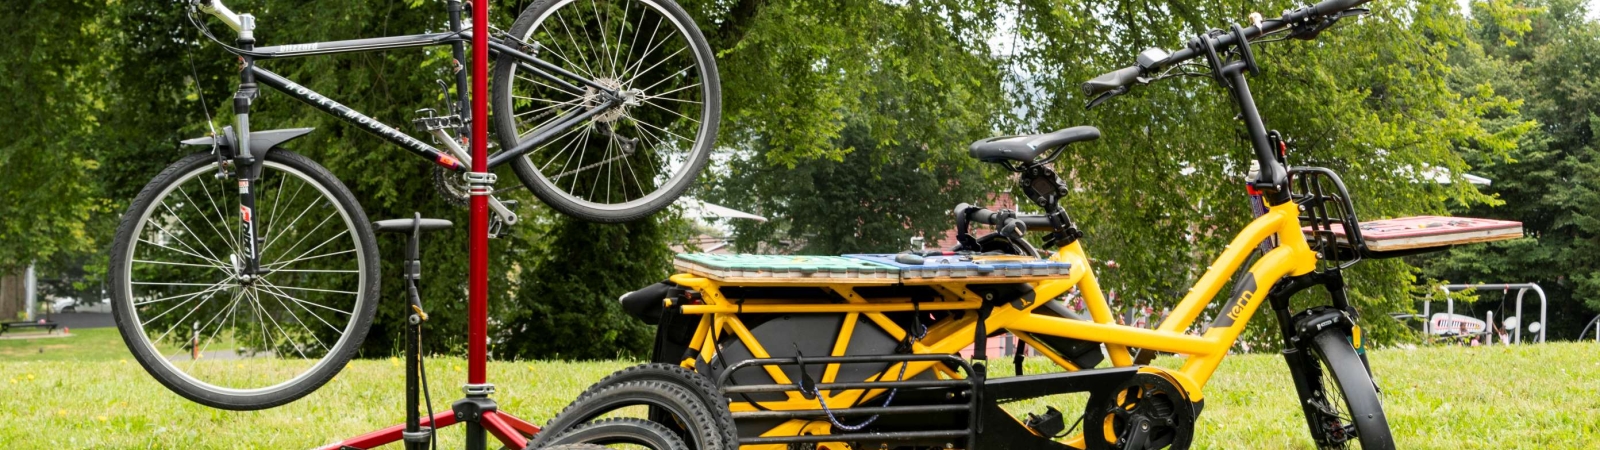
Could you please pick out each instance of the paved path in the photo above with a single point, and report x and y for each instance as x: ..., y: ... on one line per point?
x: 83, y: 320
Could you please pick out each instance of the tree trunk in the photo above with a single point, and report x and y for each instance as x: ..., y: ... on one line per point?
x: 13, y: 294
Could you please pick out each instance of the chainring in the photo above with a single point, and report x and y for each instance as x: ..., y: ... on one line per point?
x: 1145, y: 412
x: 450, y: 186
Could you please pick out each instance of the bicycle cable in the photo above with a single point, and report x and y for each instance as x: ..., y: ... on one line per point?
x: 200, y: 92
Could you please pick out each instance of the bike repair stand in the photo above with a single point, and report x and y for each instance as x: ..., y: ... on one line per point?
x: 477, y: 410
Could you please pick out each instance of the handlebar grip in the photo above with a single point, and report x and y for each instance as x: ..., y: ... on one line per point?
x: 987, y: 217
x: 975, y: 214
x: 1112, y: 80
x: 1335, y: 6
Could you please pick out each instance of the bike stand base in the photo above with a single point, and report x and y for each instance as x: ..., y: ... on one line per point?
x: 508, y: 429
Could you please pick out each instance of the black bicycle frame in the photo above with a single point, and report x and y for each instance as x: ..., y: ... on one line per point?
x: 247, y: 165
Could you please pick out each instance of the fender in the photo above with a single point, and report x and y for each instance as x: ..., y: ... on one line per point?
x: 260, y: 141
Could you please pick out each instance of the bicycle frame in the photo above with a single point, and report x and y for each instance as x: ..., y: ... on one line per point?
x: 247, y: 164
x: 1292, y: 257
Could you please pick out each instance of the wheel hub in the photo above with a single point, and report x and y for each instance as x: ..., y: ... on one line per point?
x: 593, y: 98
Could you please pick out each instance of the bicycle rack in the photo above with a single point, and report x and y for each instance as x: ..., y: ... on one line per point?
x: 970, y: 385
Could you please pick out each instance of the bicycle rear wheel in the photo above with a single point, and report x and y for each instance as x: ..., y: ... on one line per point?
x: 234, y: 342
x: 1349, y: 413
x: 627, y: 161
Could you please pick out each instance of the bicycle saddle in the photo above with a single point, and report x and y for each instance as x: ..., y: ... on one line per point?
x: 1027, y: 147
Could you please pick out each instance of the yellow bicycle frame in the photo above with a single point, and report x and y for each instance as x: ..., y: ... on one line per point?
x: 1203, y: 353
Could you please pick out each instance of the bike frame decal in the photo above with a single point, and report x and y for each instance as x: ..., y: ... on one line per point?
x: 1243, y: 293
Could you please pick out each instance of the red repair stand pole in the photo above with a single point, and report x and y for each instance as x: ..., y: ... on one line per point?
x: 477, y: 410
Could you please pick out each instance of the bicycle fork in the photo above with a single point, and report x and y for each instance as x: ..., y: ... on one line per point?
x: 1300, y: 330
x: 246, y: 164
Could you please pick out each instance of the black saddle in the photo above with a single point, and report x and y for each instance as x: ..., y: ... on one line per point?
x: 1028, y: 147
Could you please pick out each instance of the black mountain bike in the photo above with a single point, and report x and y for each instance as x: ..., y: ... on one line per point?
x: 244, y: 276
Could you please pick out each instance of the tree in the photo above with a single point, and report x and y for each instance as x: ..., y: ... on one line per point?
x: 50, y: 97
x: 1542, y: 54
x: 1161, y: 192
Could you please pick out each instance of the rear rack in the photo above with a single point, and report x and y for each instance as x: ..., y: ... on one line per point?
x: 970, y: 384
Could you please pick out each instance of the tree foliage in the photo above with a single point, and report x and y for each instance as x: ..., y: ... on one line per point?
x: 49, y: 100
x: 1542, y: 53
x: 846, y: 122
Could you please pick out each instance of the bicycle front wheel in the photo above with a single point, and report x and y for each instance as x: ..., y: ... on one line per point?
x: 239, y: 342
x: 1349, y: 413
x: 622, y: 162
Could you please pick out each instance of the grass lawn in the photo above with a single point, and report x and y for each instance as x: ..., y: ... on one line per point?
x: 86, y: 392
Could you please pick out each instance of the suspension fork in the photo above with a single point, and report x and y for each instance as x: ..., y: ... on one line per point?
x: 246, y: 164
x: 1296, y: 345
x: 1293, y: 350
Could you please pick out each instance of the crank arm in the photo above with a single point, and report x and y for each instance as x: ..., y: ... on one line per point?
x: 453, y: 146
x: 502, y: 212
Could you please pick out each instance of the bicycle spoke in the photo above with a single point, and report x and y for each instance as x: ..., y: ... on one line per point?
x: 275, y: 215
x: 564, y: 148
x: 621, y: 26
x: 657, y: 64
x: 316, y: 290
x: 297, y: 217
x: 583, y: 149
x: 307, y: 234
x: 217, y: 209
x: 319, y: 246
x: 191, y: 251
x: 649, y: 47
x: 319, y: 305
x: 301, y: 303
x: 179, y: 218
x: 197, y: 256
x: 212, y: 288
x: 588, y: 70
x: 285, y: 263
x: 227, y: 239
x: 286, y: 337
x: 296, y: 318
x: 233, y: 305
x: 604, y: 43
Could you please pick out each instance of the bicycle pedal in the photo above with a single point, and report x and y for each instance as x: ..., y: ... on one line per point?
x: 429, y: 122
x: 1049, y: 424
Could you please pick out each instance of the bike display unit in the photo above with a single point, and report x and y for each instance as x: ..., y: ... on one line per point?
x: 476, y: 410
x: 1522, y: 289
x: 265, y: 289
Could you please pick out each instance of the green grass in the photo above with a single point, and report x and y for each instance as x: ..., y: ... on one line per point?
x: 91, y: 394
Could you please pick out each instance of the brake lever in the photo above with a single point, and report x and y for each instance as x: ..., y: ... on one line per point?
x: 1106, y: 96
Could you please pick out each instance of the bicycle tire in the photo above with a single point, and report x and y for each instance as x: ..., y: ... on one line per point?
x: 639, y: 432
x: 683, y: 404
x: 596, y: 209
x: 1340, y: 373
x: 699, y: 384
x: 575, y: 447
x: 127, y: 312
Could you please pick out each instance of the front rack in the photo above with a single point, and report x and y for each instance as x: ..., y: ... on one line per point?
x: 1326, y: 210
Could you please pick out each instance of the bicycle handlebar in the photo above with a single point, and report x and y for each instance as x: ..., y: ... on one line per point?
x: 1127, y: 76
x: 985, y: 216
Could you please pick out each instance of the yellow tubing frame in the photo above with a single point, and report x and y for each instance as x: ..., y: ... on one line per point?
x: 1203, y: 353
